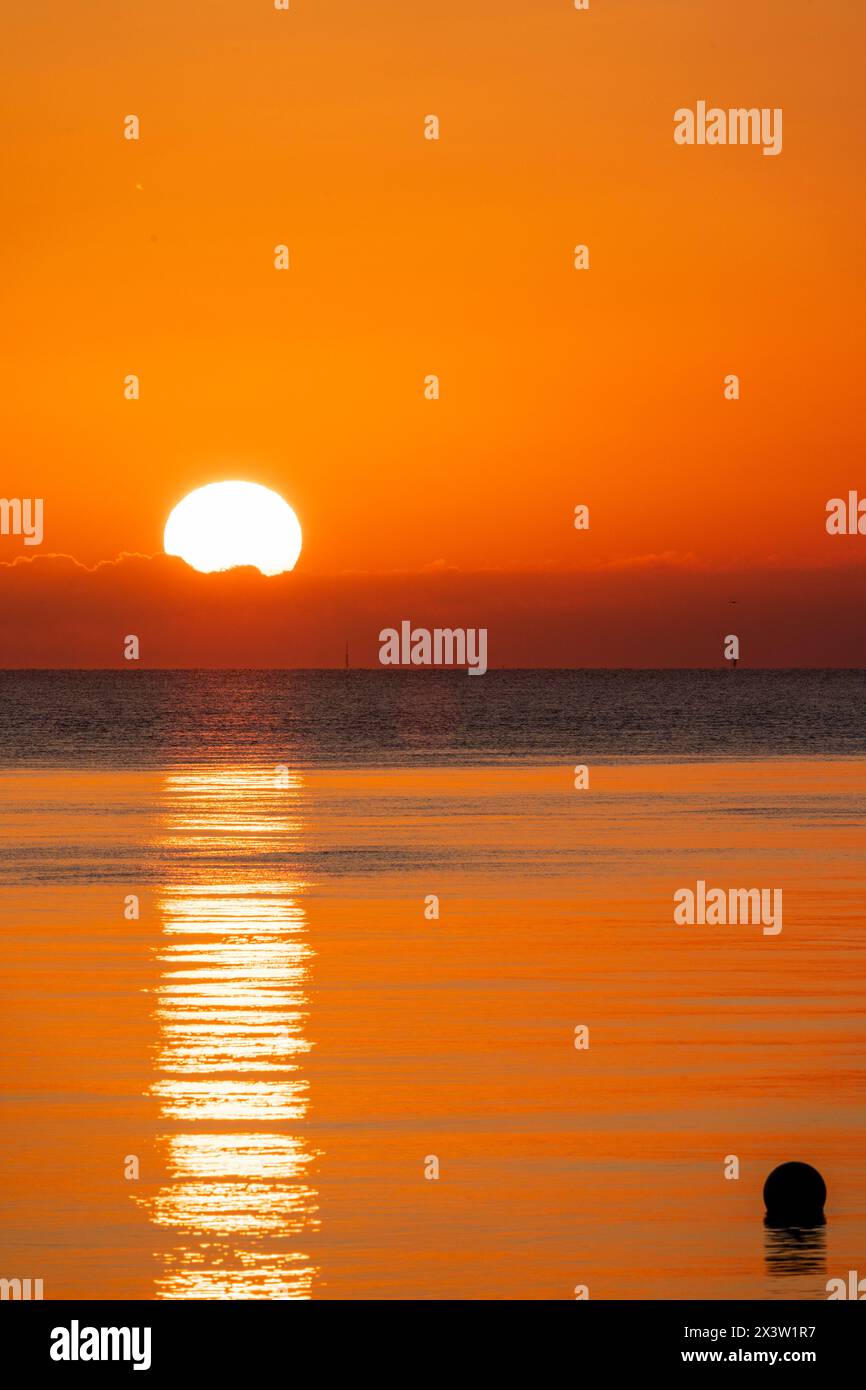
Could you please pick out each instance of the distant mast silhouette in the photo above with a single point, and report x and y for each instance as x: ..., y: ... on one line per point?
x: 347, y: 656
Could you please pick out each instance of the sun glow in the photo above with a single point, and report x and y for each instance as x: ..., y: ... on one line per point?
x: 223, y: 525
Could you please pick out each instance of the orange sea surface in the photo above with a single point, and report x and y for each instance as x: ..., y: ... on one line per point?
x: 283, y: 1040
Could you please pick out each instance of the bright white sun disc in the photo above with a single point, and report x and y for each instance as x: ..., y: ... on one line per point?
x: 226, y: 524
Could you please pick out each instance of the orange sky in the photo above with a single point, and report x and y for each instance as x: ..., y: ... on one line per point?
x: 411, y: 257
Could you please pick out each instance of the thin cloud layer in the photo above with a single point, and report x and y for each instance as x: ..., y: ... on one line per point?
x: 55, y: 612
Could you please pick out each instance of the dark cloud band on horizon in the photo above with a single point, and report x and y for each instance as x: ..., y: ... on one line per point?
x: 55, y: 612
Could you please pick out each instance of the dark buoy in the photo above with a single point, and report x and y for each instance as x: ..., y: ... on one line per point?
x: 794, y: 1195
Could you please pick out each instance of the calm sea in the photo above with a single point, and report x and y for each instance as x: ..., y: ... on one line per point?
x: 395, y: 719
x: 293, y: 965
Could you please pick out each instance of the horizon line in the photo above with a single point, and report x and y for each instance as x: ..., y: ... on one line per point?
x: 390, y: 671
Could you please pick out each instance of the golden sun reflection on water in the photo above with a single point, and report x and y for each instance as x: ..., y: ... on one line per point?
x: 231, y: 1010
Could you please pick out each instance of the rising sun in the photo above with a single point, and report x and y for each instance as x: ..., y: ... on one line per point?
x: 226, y: 524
